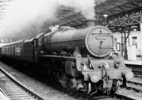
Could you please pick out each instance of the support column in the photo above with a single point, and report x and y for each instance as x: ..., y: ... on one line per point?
x: 141, y: 27
x: 141, y: 23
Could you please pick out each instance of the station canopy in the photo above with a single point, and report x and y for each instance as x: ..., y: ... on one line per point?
x: 113, y: 7
x: 109, y: 7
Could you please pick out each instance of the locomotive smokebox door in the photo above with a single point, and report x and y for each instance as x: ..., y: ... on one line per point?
x: 99, y: 41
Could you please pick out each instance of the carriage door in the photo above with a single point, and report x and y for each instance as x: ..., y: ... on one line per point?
x: 35, y: 50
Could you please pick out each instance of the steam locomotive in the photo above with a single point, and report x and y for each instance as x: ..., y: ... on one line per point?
x: 85, y: 58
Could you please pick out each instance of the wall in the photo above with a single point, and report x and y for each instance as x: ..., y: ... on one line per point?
x: 134, y: 44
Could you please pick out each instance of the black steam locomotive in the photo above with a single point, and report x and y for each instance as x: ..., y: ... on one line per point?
x: 85, y: 58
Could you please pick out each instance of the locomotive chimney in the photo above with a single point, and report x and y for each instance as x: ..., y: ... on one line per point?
x: 91, y: 19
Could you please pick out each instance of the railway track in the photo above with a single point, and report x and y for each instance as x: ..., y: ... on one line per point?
x: 14, y: 89
x: 138, y: 73
x: 133, y: 90
x: 25, y: 94
x: 136, y: 68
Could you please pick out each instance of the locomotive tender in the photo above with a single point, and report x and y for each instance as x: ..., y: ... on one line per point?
x: 85, y: 58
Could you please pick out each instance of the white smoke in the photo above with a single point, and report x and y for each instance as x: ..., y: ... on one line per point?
x: 25, y: 16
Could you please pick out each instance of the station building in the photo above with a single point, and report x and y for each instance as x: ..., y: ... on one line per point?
x: 124, y: 18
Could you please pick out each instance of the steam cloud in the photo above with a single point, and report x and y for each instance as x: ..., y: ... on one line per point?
x: 26, y: 17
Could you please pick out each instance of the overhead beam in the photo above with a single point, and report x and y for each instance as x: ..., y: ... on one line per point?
x: 118, y: 6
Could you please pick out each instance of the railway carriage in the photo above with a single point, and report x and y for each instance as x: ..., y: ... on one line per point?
x: 20, y: 50
x: 12, y: 49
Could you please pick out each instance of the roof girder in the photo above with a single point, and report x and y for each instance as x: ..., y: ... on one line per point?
x: 117, y: 6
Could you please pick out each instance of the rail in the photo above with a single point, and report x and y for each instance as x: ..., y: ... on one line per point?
x: 24, y: 87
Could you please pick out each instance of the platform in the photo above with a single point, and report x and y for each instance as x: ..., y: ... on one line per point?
x: 130, y: 62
